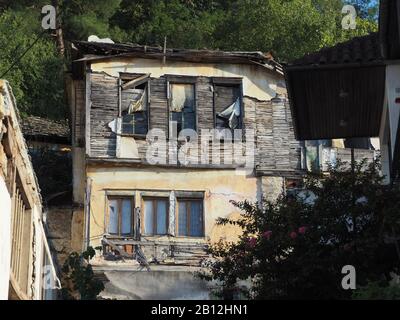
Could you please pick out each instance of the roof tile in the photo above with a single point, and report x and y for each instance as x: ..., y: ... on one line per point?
x: 364, y: 49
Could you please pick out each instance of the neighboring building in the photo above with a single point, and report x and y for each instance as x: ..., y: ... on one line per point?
x: 26, y: 266
x: 389, y: 33
x: 49, y: 145
x: 320, y: 154
x: 163, y: 214
x: 41, y: 133
x: 352, y: 90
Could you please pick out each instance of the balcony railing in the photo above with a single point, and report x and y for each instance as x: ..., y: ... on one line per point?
x: 155, y: 252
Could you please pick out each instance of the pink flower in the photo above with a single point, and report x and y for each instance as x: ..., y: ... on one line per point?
x: 267, y: 234
x: 293, y: 235
x: 251, y: 242
x: 302, y: 230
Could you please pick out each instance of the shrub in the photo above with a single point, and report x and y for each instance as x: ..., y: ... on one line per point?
x: 295, y: 247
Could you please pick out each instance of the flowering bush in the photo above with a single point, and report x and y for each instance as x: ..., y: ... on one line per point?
x: 296, y: 246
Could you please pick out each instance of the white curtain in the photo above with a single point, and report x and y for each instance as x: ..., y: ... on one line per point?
x: 232, y: 113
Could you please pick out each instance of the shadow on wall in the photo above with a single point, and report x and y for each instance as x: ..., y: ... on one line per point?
x: 155, y: 285
x: 54, y: 172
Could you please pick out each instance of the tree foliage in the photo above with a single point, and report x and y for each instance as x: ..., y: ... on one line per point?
x: 295, y: 247
x: 38, y: 78
x: 78, y: 278
x: 288, y: 28
x: 378, y: 290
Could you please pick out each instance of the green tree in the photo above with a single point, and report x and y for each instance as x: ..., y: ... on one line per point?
x: 79, y: 282
x: 289, y: 28
x: 378, y: 290
x: 37, y: 79
x: 82, y: 18
x: 295, y: 248
x: 189, y: 24
x: 366, y: 9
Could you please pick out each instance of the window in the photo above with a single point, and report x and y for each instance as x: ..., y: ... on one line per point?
x: 182, y: 105
x: 156, y: 216
x: 135, y: 105
x: 120, y: 215
x: 190, y: 218
x: 227, y: 106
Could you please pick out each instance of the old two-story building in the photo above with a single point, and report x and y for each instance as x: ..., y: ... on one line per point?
x: 163, y: 140
x: 27, y: 271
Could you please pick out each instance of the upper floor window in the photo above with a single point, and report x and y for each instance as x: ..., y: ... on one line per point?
x: 228, y: 113
x: 135, y: 104
x: 190, y: 218
x: 120, y: 216
x: 182, y: 105
x: 156, y: 216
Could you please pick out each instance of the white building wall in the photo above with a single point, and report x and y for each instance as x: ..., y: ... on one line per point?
x: 45, y: 273
x: 5, y: 239
x: 393, y: 92
x: 38, y: 251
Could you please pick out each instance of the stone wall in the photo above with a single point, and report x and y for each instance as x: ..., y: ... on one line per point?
x: 65, y: 225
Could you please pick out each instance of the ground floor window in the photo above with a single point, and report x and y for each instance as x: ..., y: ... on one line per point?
x: 157, y: 213
x: 120, y: 221
x: 190, y: 218
x: 156, y: 216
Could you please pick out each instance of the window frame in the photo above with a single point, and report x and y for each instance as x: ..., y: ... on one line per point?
x: 174, y: 79
x: 177, y: 214
x: 228, y: 82
x: 123, y: 76
x: 154, y: 199
x: 119, y: 199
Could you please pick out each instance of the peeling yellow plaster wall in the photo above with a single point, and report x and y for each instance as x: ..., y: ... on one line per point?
x: 258, y: 82
x: 219, y: 186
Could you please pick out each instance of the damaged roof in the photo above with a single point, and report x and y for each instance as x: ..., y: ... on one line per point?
x: 359, y: 50
x: 50, y: 130
x: 99, y: 50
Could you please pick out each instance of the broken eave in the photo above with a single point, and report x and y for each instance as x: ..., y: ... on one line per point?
x: 95, y: 52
